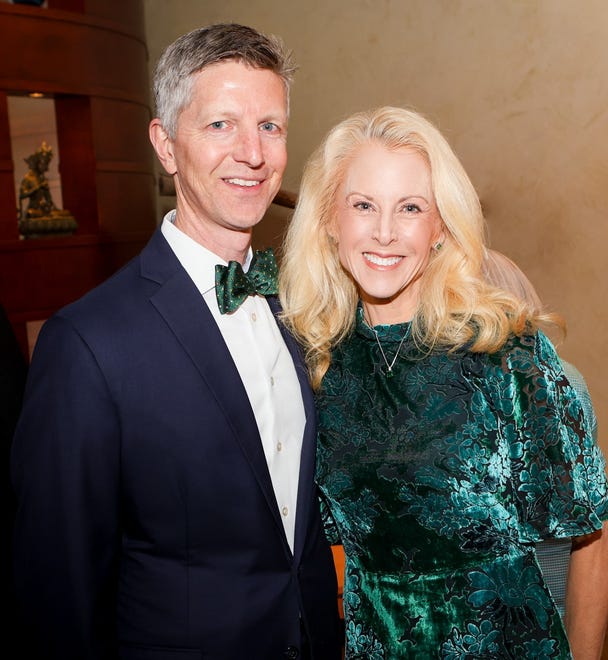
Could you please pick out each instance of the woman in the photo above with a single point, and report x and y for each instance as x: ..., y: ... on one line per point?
x: 450, y: 441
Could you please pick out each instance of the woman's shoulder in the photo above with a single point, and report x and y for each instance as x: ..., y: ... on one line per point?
x: 533, y: 341
x: 530, y: 354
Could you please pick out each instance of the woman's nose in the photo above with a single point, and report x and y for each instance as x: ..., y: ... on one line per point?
x: 384, y: 230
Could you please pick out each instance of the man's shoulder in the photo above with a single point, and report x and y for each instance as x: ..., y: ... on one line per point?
x: 110, y: 293
x: 120, y: 289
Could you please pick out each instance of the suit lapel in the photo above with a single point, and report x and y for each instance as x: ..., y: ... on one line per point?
x: 180, y: 304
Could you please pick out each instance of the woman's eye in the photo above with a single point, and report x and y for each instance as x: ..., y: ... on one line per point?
x: 412, y: 208
x: 363, y: 206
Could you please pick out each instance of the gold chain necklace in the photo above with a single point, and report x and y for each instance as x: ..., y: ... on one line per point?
x: 389, y: 365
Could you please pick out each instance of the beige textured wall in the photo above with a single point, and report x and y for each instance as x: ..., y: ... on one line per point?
x: 519, y: 87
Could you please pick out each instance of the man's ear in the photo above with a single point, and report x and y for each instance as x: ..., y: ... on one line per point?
x: 163, y: 145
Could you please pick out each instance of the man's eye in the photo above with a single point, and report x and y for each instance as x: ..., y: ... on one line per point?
x: 217, y: 124
x: 268, y: 126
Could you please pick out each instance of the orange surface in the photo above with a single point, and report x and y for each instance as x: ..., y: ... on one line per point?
x: 338, y: 553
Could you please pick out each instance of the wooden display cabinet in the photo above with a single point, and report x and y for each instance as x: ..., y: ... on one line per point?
x: 90, y: 57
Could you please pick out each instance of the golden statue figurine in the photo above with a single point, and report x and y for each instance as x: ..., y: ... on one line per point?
x: 41, y: 217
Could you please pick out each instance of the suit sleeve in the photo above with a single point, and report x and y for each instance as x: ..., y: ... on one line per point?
x: 65, y: 470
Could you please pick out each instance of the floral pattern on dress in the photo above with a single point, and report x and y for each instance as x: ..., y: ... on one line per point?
x: 439, y: 481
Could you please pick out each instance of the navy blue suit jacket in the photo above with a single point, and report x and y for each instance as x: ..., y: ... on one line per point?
x: 147, y: 524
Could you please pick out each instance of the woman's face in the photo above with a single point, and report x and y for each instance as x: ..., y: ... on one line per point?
x: 386, y: 225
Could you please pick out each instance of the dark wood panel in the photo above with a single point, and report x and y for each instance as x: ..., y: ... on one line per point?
x: 38, y: 276
x: 36, y: 282
x: 127, y: 13
x: 64, y: 52
x: 5, y: 146
x: 67, y: 5
x: 121, y: 131
x: 8, y: 203
x: 77, y: 160
x: 128, y: 201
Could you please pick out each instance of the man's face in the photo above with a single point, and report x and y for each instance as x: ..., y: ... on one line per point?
x: 229, y: 152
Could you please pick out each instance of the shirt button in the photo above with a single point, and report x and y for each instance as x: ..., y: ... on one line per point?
x: 272, y: 380
x: 279, y: 446
x: 254, y: 318
x: 284, y: 510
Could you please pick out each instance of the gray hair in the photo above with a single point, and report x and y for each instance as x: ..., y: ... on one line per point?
x: 198, y: 49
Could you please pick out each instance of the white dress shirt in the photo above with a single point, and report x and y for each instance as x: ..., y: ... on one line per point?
x: 264, y: 364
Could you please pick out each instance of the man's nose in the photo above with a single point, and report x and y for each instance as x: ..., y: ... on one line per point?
x: 248, y: 147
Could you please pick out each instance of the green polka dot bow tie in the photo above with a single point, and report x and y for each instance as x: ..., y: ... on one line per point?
x: 232, y: 285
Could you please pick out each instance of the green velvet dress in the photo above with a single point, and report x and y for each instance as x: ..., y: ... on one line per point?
x: 439, y: 480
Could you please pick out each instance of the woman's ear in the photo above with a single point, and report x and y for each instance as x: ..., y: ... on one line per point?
x: 439, y: 241
x: 330, y: 230
x: 163, y: 145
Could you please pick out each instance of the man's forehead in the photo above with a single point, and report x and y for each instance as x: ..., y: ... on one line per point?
x: 237, y: 85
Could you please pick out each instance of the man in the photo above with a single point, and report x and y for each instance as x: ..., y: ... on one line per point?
x: 164, y: 458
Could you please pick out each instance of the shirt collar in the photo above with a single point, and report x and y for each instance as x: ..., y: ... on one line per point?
x: 197, y: 260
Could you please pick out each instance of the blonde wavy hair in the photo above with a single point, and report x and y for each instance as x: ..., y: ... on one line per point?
x: 456, y: 307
